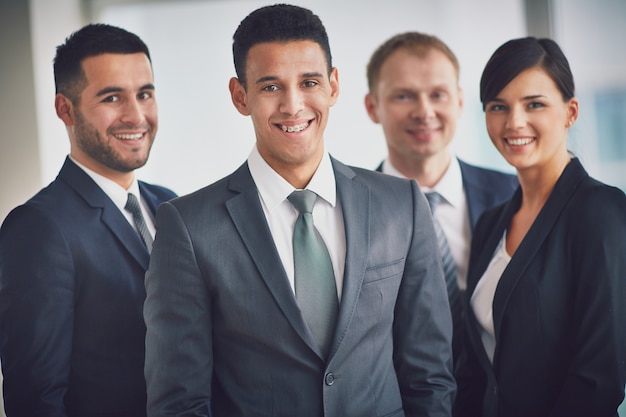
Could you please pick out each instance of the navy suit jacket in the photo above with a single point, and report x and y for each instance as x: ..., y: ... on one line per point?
x: 223, y: 323
x: 71, y: 299
x: 559, y: 308
x: 484, y: 188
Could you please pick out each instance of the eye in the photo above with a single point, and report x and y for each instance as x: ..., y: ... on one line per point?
x: 111, y: 99
x: 271, y: 87
x: 535, y: 105
x: 144, y: 95
x: 310, y: 83
x: 496, y: 107
x: 403, y: 97
x: 439, y: 95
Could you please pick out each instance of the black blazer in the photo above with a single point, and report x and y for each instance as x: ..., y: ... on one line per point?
x: 71, y: 299
x: 559, y: 308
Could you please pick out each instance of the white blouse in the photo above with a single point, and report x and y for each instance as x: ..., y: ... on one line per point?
x: 482, y: 298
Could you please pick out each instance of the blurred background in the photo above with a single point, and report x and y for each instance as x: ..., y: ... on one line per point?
x: 203, y: 138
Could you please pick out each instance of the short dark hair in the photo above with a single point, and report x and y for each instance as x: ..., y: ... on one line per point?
x: 416, y: 42
x: 518, y: 55
x: 91, y: 40
x: 277, y: 23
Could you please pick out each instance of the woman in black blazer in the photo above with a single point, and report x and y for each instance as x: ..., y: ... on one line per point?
x: 547, y: 277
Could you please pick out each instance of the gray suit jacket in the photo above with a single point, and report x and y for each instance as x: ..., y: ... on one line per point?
x: 223, y: 324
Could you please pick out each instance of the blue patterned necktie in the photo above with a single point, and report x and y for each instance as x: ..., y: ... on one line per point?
x: 132, y: 206
x: 449, y: 270
x: 315, y: 287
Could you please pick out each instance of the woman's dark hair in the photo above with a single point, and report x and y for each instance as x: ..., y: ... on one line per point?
x: 518, y: 55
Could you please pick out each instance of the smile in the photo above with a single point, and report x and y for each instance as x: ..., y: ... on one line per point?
x: 294, y: 129
x: 129, y: 136
x: 519, y: 141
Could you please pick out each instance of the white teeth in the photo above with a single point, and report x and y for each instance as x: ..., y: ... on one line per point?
x: 134, y: 136
x: 297, y: 128
x: 519, y: 141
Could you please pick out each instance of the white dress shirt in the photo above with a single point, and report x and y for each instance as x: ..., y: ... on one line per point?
x: 452, y: 214
x: 119, y: 196
x: 482, y: 298
x: 281, y: 215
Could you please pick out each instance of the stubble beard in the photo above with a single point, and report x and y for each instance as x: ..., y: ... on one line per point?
x: 98, y: 148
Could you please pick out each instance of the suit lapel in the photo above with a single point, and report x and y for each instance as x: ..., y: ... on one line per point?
x: 110, y: 214
x: 475, y: 193
x: 354, y: 199
x: 536, y: 235
x: 247, y: 215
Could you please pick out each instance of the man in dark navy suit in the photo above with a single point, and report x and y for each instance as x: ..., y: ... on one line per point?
x: 414, y: 94
x: 73, y: 257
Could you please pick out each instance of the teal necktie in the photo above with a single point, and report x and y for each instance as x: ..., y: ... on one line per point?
x: 316, y: 290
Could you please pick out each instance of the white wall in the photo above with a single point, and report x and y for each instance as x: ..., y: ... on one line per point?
x: 202, y: 137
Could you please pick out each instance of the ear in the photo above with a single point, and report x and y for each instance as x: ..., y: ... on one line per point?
x: 370, y: 106
x: 64, y: 109
x: 461, y: 98
x: 334, y: 86
x: 572, y: 112
x: 238, y: 96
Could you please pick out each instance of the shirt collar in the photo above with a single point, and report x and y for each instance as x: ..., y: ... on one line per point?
x: 113, y: 190
x: 450, y: 186
x: 274, y: 189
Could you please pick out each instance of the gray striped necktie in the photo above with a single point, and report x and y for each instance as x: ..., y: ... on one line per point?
x: 449, y: 270
x: 315, y: 286
x: 132, y: 206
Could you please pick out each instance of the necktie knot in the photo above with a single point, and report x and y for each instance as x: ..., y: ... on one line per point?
x: 303, y: 200
x: 132, y: 204
x: 434, y: 199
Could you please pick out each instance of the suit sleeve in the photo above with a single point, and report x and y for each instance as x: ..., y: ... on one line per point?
x: 36, y: 314
x: 423, y: 324
x: 595, y: 381
x: 179, y: 363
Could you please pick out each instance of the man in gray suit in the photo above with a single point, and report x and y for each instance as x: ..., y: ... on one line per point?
x: 228, y: 322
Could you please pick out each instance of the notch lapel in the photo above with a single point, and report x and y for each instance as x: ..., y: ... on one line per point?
x: 111, y: 216
x: 247, y: 215
x: 536, y: 235
x: 355, y: 205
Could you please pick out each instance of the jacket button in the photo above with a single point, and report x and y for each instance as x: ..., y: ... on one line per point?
x: 329, y: 379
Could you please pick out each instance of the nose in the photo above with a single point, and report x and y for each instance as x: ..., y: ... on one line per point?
x: 423, y: 109
x: 132, y: 112
x: 292, y: 101
x: 516, y: 118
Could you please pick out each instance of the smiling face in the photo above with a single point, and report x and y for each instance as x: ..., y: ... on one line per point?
x: 113, y: 124
x: 528, y: 121
x: 288, y: 96
x: 418, y: 102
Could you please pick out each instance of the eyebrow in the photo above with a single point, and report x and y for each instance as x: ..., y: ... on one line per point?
x: 532, y: 97
x: 274, y: 78
x: 109, y: 90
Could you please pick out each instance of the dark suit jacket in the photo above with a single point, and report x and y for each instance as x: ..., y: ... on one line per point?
x: 223, y: 323
x: 71, y: 298
x: 559, y: 308
x: 484, y: 188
